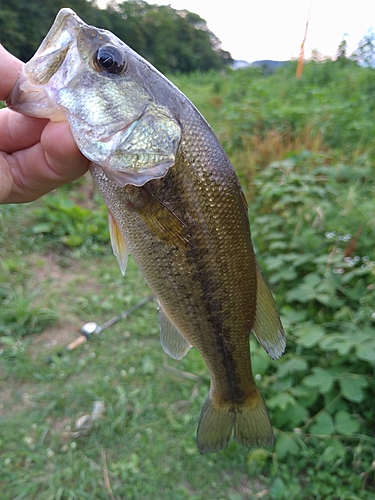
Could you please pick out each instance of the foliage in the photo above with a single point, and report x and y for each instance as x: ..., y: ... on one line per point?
x: 317, y: 246
x: 24, y: 24
x: 365, y: 52
x: 330, y: 101
x: 68, y: 222
x: 304, y: 151
x: 171, y: 40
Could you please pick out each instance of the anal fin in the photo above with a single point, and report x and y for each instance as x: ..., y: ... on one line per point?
x: 172, y: 340
x: 267, y: 327
x: 118, y: 243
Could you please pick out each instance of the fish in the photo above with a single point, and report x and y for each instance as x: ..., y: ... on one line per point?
x: 175, y: 205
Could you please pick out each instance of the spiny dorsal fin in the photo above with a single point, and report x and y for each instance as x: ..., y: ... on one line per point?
x: 267, y: 327
x: 172, y: 340
x: 118, y: 243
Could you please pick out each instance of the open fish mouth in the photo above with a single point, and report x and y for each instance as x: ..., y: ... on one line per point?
x: 33, y: 100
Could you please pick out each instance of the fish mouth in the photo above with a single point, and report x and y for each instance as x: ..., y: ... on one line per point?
x: 32, y: 100
x: 34, y: 91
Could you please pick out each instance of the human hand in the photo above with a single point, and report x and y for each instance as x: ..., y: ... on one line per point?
x: 36, y: 155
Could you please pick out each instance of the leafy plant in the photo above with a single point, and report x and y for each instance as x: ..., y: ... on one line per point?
x: 68, y: 222
x: 321, y: 263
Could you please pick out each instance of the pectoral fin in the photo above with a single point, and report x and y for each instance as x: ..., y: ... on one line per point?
x: 118, y: 243
x: 162, y: 221
x: 267, y: 327
x: 172, y: 340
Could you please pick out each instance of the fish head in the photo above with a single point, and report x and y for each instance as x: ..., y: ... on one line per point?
x: 106, y: 92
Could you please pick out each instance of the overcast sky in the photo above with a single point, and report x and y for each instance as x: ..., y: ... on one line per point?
x: 274, y: 29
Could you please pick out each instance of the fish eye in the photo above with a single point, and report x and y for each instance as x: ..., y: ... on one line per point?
x: 110, y: 59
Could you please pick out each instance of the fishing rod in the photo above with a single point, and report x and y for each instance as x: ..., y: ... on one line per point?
x: 92, y: 328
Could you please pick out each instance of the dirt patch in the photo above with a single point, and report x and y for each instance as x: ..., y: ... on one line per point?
x: 53, y: 337
x: 46, y: 267
x: 17, y: 397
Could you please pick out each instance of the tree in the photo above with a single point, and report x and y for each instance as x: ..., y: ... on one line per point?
x: 172, y: 40
x: 341, y: 52
x: 364, y: 55
x: 24, y: 24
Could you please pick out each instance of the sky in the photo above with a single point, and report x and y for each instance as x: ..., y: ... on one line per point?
x: 274, y: 29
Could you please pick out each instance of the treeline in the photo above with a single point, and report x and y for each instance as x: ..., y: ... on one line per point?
x: 172, y: 40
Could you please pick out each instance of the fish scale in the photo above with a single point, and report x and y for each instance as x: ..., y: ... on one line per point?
x: 175, y: 204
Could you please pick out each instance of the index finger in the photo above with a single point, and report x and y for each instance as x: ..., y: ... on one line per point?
x: 17, y: 131
x: 10, y: 69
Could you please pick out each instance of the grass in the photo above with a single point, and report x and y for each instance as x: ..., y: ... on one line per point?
x: 147, y: 432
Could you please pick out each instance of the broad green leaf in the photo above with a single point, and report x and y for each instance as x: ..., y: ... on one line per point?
x: 310, y: 335
x: 286, y: 445
x: 291, y: 317
x: 366, y: 351
x: 340, y: 343
x: 345, y: 423
x: 301, y: 391
x: 364, y: 335
x: 292, y: 365
x: 278, y: 489
x: 290, y: 417
x: 312, y: 280
x: 304, y: 395
x: 328, y: 300
x: 323, y: 424
x: 260, y: 361
x: 74, y: 240
x: 303, y: 293
x: 352, y: 387
x: 286, y: 274
x: 278, y: 245
x: 334, y: 451
x: 258, y: 456
x: 321, y: 379
x: 281, y: 401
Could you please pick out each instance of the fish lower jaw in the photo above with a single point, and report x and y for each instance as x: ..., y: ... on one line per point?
x: 32, y: 100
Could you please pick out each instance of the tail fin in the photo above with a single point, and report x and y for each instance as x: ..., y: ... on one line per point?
x: 250, y: 424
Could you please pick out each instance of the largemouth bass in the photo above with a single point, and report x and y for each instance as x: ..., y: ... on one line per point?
x: 175, y: 204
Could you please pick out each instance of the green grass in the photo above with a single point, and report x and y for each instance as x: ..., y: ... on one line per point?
x: 144, y: 445
x: 147, y: 434
x: 312, y: 217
